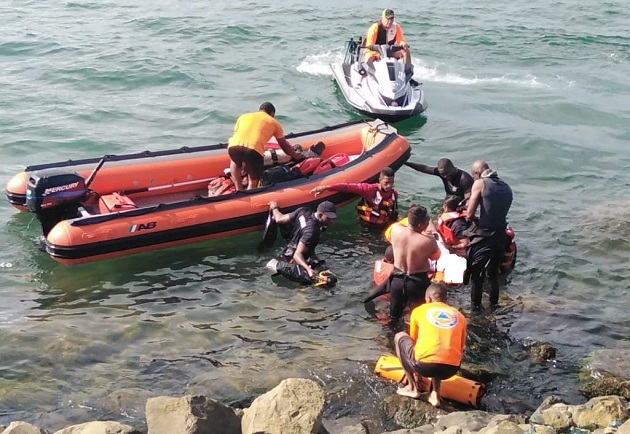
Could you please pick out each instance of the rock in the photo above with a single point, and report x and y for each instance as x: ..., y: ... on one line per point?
x: 614, y: 362
x: 607, y: 386
x: 22, y: 428
x: 410, y: 413
x: 503, y: 427
x: 424, y: 429
x: 625, y: 428
x: 543, y: 429
x: 600, y: 411
x: 478, y: 373
x: 295, y: 406
x: 468, y: 420
x: 541, y: 352
x: 129, y: 401
x: 451, y: 430
x: 190, y: 414
x: 547, y: 402
x: 558, y: 416
x: 345, y: 425
x: 100, y: 427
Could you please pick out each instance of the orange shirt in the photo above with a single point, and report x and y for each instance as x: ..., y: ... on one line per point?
x: 394, y: 36
x: 253, y: 131
x: 439, y: 331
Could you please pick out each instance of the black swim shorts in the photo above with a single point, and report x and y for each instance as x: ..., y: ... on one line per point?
x: 253, y: 161
x: 428, y: 370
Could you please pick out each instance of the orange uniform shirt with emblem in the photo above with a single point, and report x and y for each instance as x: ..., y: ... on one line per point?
x: 253, y: 131
x: 439, y: 331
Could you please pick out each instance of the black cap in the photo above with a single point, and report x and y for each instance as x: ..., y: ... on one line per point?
x: 328, y: 209
x: 388, y: 13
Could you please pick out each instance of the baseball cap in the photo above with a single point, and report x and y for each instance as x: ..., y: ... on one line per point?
x: 388, y: 13
x: 328, y: 209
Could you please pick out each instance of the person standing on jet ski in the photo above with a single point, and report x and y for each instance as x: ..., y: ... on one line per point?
x: 379, y: 202
x: 386, y: 32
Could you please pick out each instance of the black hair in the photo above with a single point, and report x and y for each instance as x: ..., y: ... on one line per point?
x: 417, y: 215
x: 452, y: 202
x: 445, y: 163
x: 388, y: 171
x: 268, y: 108
x: 437, y: 292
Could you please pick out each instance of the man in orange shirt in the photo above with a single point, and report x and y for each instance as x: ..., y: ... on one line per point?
x: 386, y: 32
x: 434, y: 346
x: 246, y: 147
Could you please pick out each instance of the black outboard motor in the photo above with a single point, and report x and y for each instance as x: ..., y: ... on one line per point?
x: 54, y: 195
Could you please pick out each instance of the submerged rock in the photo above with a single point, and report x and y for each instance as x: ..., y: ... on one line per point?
x: 100, y: 427
x: 607, y: 386
x: 410, y: 413
x: 541, y: 352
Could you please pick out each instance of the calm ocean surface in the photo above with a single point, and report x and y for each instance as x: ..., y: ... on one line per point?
x: 540, y: 90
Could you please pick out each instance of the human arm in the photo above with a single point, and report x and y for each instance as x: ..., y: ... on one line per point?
x: 436, y: 253
x: 298, y: 257
x: 288, y: 149
x: 400, y: 37
x: 473, y: 202
x: 279, y: 217
x: 429, y: 170
x: 365, y: 190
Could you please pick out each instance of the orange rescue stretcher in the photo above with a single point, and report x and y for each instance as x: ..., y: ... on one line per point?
x: 456, y: 388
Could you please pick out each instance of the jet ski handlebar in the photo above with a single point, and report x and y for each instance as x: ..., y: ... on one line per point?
x: 385, y: 50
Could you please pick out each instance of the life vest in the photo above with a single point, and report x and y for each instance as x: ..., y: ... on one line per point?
x: 510, y: 251
x: 379, y: 211
x: 448, y: 236
x: 316, y: 165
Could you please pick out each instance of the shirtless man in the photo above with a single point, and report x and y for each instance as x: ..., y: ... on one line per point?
x: 412, y: 249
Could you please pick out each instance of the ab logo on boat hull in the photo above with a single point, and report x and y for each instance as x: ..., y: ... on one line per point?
x: 142, y: 227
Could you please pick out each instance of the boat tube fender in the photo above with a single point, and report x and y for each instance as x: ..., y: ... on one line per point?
x: 53, y: 195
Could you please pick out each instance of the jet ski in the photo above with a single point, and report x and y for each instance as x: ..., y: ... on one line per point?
x: 386, y: 90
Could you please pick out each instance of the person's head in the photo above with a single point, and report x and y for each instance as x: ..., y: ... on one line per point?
x: 478, y: 167
x: 451, y: 203
x: 326, y: 212
x: 389, y: 254
x: 387, y: 18
x: 268, y: 108
x: 435, y: 292
x: 446, y: 168
x: 418, y: 218
x: 386, y: 179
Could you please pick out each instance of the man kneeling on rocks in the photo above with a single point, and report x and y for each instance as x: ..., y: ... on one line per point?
x: 434, y: 346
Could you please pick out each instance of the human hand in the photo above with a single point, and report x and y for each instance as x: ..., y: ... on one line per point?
x: 298, y: 155
x: 318, y: 190
x: 273, y: 205
x: 310, y: 272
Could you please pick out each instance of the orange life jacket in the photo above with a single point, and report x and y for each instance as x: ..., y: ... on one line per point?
x: 510, y: 251
x: 380, y: 211
x: 448, y: 236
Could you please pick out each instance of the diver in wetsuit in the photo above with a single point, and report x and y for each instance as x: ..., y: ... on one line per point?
x: 297, y: 260
x: 412, y: 248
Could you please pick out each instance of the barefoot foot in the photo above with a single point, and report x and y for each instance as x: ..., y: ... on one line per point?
x: 406, y: 391
x: 434, y: 400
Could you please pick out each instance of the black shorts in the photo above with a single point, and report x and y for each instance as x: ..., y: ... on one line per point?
x: 428, y: 370
x: 253, y: 161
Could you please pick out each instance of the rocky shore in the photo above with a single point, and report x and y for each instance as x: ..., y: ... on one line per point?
x: 297, y: 406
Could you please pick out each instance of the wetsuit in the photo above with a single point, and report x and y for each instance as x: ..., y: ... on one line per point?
x: 405, y: 289
x: 457, y: 185
x: 306, y: 229
x: 488, y: 240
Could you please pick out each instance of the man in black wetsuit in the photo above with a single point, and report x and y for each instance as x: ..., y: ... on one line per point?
x: 456, y: 181
x: 296, y: 261
x: 488, y: 239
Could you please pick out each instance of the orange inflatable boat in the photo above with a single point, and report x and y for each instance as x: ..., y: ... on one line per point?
x: 456, y: 388
x: 118, y: 205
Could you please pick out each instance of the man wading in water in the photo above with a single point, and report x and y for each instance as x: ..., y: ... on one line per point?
x: 412, y: 250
